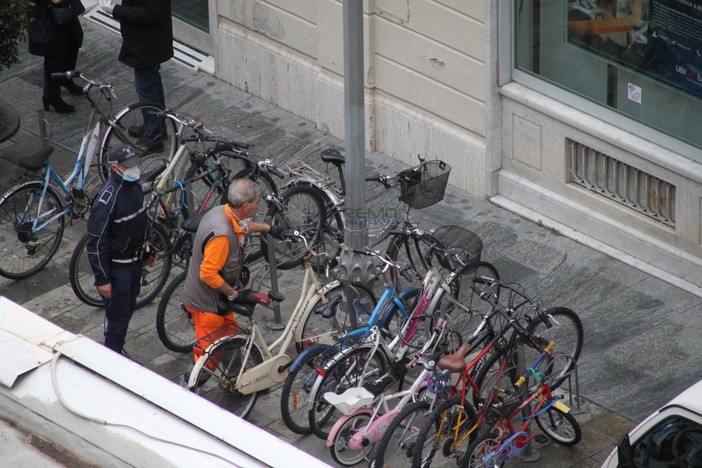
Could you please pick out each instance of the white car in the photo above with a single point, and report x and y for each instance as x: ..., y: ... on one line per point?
x: 670, y: 437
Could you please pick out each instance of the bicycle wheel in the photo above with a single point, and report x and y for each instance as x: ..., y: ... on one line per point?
x: 398, y: 442
x: 460, y: 321
x: 562, y: 427
x: 317, y: 329
x: 174, y: 324
x: 351, y: 369
x: 481, y: 446
x: 340, y: 450
x: 219, y: 372
x: 81, y: 276
x: 304, y: 211
x: 24, y: 250
x: 129, y: 123
x: 263, y: 179
x: 412, y: 252
x: 567, y: 332
x: 154, y: 278
x: 295, y: 394
x: 495, y: 379
x: 442, y: 434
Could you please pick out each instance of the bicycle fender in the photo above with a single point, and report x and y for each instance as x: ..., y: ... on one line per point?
x: 337, y: 425
x: 314, y: 350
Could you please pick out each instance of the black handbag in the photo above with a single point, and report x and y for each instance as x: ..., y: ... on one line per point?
x: 40, y: 26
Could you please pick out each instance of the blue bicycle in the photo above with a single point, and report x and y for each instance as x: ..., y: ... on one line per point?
x: 392, y: 309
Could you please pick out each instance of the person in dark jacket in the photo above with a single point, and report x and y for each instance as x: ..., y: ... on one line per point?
x: 60, y: 54
x: 147, y: 42
x: 118, y: 227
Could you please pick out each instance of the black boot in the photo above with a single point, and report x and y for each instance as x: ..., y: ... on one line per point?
x: 58, y: 104
x: 72, y: 88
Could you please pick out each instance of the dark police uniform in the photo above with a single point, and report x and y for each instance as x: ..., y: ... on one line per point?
x: 118, y: 228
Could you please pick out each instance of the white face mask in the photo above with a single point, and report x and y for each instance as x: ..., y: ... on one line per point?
x: 131, y: 174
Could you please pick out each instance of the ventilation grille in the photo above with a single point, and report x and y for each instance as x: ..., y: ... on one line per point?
x: 622, y: 183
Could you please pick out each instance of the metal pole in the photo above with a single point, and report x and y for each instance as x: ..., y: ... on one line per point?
x: 354, y: 267
x: 356, y: 230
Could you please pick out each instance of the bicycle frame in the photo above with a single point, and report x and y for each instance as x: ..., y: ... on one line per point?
x: 273, y: 370
x: 375, y: 429
x: 513, y: 442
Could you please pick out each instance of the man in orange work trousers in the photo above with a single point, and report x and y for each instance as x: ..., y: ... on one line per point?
x: 215, y: 265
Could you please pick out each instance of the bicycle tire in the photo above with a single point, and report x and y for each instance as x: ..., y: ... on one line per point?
x: 296, y: 390
x: 341, y: 374
x: 24, y: 252
x: 481, y: 446
x: 339, y: 448
x: 437, y: 434
x: 153, y: 278
x: 400, y: 250
x: 217, y: 386
x: 317, y: 329
x: 460, y: 321
x: 130, y: 117
x: 490, y: 381
x: 304, y: 212
x: 567, y: 332
x: 174, y: 324
x: 397, y: 444
x: 560, y: 426
x: 81, y: 276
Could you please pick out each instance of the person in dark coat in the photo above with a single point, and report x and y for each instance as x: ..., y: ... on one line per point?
x: 60, y: 55
x: 147, y: 42
x: 118, y: 228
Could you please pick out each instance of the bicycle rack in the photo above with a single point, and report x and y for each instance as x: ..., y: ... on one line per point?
x: 277, y: 323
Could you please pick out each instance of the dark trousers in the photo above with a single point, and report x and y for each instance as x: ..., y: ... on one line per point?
x: 149, y: 87
x: 58, y: 64
x: 126, y: 282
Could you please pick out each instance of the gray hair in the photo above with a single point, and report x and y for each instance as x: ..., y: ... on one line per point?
x: 242, y: 191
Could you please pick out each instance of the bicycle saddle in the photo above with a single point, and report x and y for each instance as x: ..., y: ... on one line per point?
x: 329, y: 309
x: 192, y: 223
x: 245, y: 309
x: 455, y: 362
x: 331, y: 155
x: 36, y: 161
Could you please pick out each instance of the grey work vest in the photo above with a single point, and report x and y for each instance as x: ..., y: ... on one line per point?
x: 197, y: 294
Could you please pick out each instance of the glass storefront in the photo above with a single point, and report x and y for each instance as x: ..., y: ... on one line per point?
x: 195, y: 13
x: 639, y: 58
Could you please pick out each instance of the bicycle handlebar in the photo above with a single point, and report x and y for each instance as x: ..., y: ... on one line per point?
x: 404, y: 269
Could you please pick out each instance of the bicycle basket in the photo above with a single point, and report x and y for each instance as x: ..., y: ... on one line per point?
x: 424, y: 185
x: 462, y: 243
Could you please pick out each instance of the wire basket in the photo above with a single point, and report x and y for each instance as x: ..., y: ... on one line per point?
x: 424, y: 185
x: 463, y: 244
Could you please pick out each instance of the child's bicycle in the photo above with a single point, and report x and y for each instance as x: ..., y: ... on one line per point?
x: 368, y: 415
x: 530, y: 401
x: 33, y: 214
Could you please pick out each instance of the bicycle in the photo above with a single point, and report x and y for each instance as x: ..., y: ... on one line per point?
x: 455, y: 421
x: 503, y: 441
x: 215, y: 176
x: 367, y: 416
x: 235, y: 368
x: 390, y: 312
x: 322, y: 204
x: 336, y: 375
x: 33, y: 213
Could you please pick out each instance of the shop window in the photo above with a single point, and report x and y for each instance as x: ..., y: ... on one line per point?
x: 639, y: 58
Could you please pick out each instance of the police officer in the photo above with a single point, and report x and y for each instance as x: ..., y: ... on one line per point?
x: 118, y: 229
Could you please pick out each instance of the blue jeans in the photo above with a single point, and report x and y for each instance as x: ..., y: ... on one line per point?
x: 126, y: 283
x: 147, y: 81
